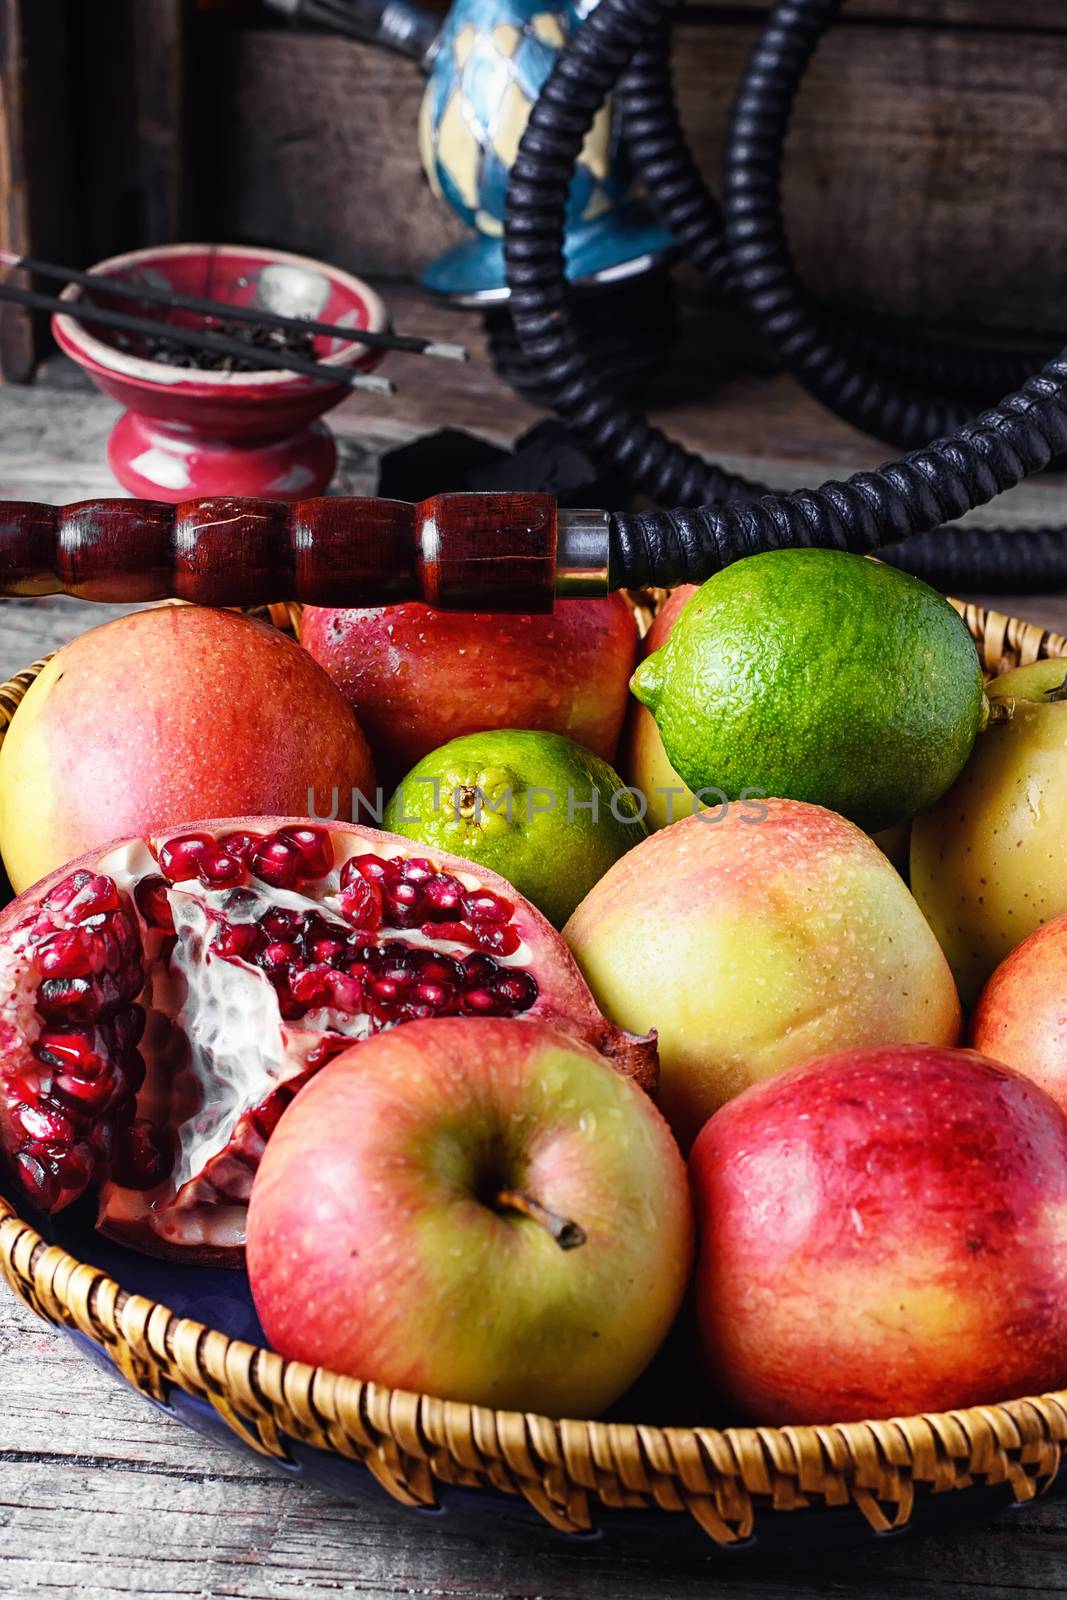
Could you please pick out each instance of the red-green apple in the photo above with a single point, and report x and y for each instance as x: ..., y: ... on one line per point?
x: 473, y: 1208
x: 1021, y: 1018
x: 754, y: 937
x: 419, y: 677
x: 882, y: 1233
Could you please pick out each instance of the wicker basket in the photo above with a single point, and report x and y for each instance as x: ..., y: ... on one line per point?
x: 727, y: 1480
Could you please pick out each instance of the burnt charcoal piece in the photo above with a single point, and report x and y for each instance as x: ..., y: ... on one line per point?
x: 446, y: 462
x: 546, y: 460
x: 550, y: 460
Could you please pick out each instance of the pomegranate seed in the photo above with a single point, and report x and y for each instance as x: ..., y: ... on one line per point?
x: 40, y: 1180
x: 418, y: 870
x: 347, y: 993
x: 123, y: 929
x: 238, y: 941
x: 143, y: 1156
x: 59, y: 898
x: 324, y: 950
x: 456, y: 931
x: 277, y: 863
x: 442, y: 895
x: 220, y: 871
x: 501, y: 940
x: 280, y: 924
x: 131, y: 1075
x: 101, y: 1138
x: 373, y: 868
x: 71, y: 954
x: 240, y: 845
x: 179, y: 858
x: 404, y: 897
x: 361, y: 903
x: 111, y: 957
x: 436, y: 968
x: 127, y: 1029
x: 310, y: 985
x: 484, y: 906
x: 83, y: 895
x: 83, y: 1097
x: 397, y: 963
x: 314, y: 846
x: 60, y: 998
x: 479, y: 1002
x: 478, y: 970
x: 278, y: 955
x: 153, y: 904
x: 388, y: 989
x: 71, y: 1049
x: 44, y: 1124
x: 437, y: 996
x: 517, y: 989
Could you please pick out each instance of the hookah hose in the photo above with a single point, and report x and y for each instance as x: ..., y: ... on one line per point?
x: 623, y: 42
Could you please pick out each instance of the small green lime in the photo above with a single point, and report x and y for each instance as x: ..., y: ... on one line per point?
x: 814, y: 675
x: 541, y: 810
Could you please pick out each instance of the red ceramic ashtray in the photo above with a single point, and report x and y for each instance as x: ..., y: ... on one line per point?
x: 186, y: 431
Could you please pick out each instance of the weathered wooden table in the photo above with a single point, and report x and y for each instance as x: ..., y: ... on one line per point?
x: 102, y: 1495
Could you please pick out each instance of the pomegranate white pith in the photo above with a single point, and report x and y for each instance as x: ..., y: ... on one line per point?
x: 161, y: 1004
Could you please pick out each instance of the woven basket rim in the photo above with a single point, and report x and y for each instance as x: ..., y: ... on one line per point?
x: 721, y: 1477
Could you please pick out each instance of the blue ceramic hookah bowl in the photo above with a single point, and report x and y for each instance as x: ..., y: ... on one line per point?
x: 487, y: 67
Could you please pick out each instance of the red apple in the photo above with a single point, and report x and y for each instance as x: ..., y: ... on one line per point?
x: 1021, y: 1018
x: 474, y: 1209
x: 419, y: 677
x: 883, y: 1232
x: 168, y: 714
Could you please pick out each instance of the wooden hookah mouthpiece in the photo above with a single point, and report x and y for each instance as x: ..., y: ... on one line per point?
x: 473, y: 552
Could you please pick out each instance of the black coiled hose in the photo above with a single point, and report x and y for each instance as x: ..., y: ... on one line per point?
x: 935, y: 484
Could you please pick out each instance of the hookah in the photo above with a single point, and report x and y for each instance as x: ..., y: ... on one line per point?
x: 485, y: 66
x: 890, y: 385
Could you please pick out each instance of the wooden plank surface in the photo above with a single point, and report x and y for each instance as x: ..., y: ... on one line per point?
x: 921, y: 163
x: 103, y: 1496
x: 37, y: 209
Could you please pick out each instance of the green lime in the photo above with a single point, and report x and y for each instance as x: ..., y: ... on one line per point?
x: 814, y: 675
x: 541, y: 810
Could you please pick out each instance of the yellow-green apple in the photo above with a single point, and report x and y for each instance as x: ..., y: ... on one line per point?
x: 987, y: 861
x: 883, y: 1232
x: 1021, y: 1017
x: 644, y: 760
x: 754, y: 937
x: 164, y: 715
x: 418, y: 677
x: 477, y: 1210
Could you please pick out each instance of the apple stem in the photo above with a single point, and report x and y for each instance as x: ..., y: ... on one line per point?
x: 567, y: 1234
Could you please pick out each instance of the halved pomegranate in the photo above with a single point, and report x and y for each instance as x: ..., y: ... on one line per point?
x: 161, y: 1003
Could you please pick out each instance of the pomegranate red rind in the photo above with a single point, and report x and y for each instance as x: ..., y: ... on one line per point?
x: 161, y: 1004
